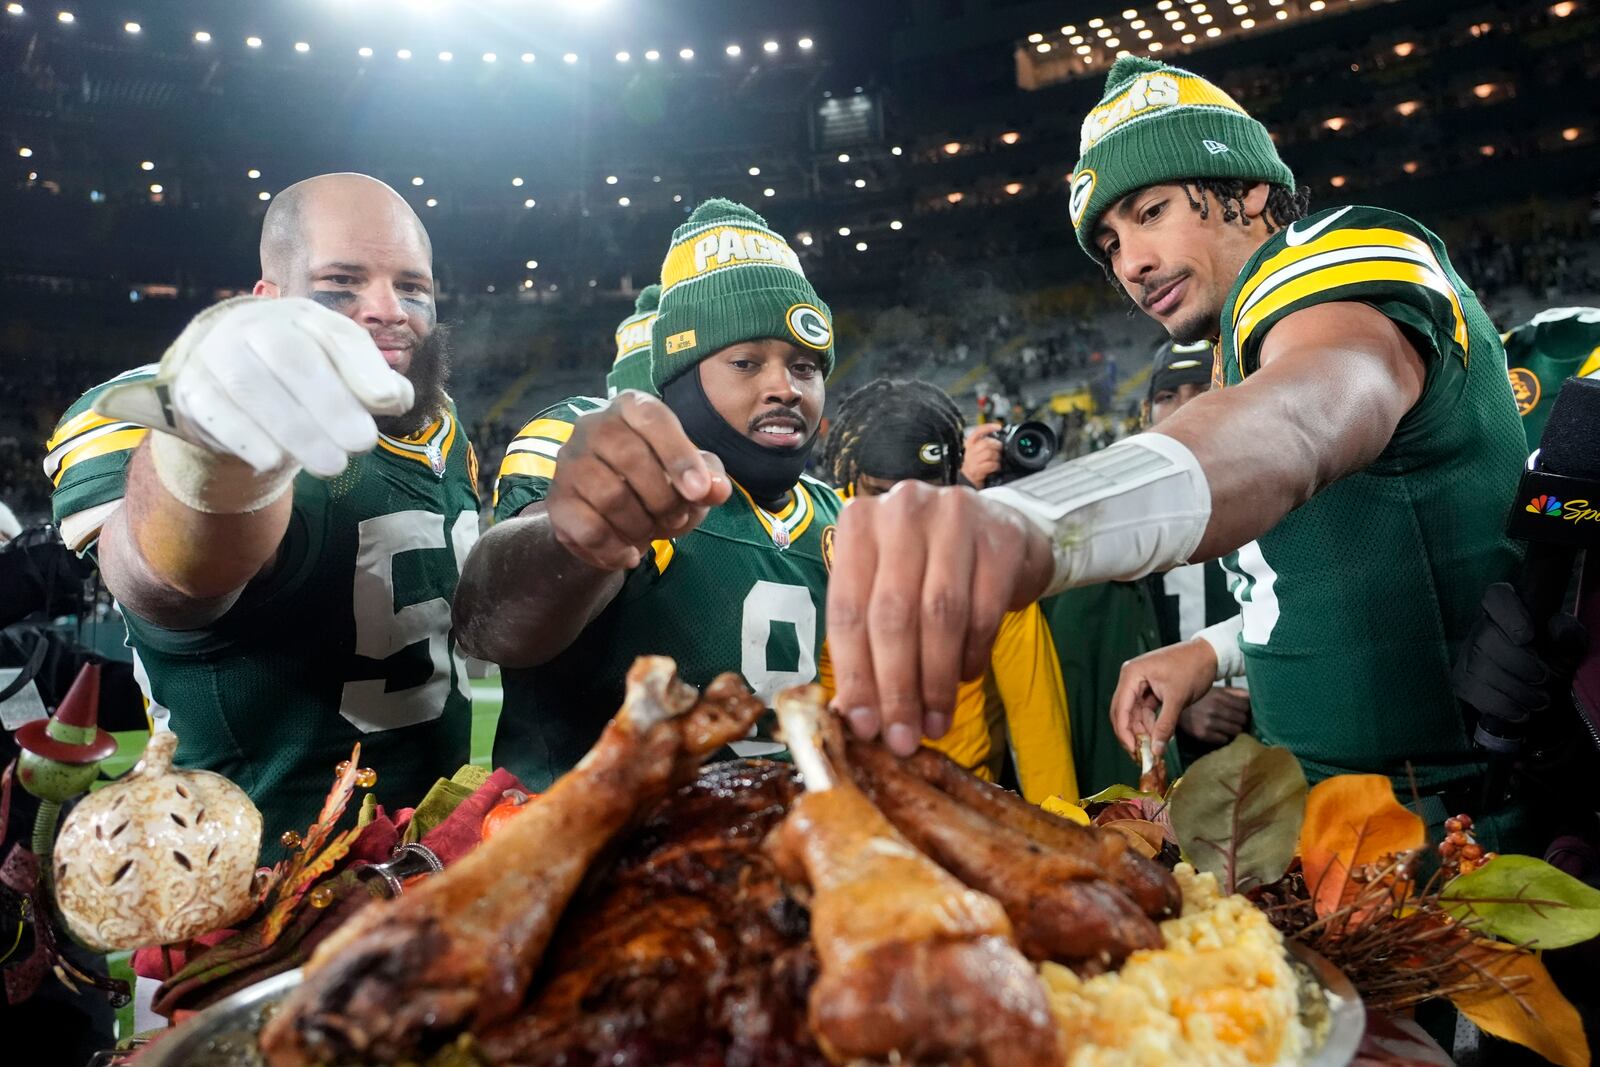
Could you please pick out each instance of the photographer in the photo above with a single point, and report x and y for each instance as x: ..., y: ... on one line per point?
x: 892, y: 431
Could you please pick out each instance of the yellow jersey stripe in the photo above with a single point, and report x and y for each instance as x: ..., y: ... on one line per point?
x: 82, y: 422
x: 1347, y: 274
x: 1332, y: 241
x: 549, y: 429
x: 664, y: 551
x: 528, y: 463
x: 121, y: 441
x: 811, y: 513
x: 1590, y: 365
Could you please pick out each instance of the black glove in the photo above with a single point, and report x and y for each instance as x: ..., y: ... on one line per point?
x: 1506, y: 672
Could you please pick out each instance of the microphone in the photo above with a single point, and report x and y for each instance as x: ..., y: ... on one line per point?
x: 1557, y: 512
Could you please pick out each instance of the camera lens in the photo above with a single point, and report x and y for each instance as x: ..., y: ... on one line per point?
x: 1029, y: 445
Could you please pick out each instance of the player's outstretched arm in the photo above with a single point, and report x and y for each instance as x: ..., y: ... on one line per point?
x: 628, y: 475
x: 921, y: 578
x: 253, y: 391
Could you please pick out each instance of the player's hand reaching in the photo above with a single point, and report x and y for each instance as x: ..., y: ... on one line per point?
x: 921, y: 577
x: 1217, y: 717
x: 276, y: 383
x: 629, y: 475
x: 1154, y: 689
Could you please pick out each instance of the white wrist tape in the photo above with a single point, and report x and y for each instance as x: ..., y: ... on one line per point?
x: 1139, y: 506
x: 213, y: 483
x: 1224, y: 641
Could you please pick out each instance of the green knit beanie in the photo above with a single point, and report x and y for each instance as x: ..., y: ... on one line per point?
x: 631, y: 368
x: 1157, y: 124
x: 728, y: 278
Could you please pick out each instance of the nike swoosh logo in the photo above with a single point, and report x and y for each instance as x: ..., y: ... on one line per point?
x: 1295, y: 238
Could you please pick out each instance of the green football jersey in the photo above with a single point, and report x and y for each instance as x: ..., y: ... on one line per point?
x: 1190, y: 598
x: 1356, y: 603
x: 745, y: 591
x: 345, y: 638
x: 1545, y: 351
x: 1096, y: 629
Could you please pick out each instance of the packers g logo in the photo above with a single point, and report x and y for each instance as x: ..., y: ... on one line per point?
x: 1078, y: 198
x: 810, y: 327
x: 931, y: 453
x: 1525, y: 388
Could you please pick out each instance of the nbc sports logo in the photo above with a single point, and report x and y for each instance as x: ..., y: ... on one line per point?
x: 1544, y: 505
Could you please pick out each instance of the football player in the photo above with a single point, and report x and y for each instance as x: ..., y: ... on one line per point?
x: 1545, y: 351
x: 631, y: 369
x: 889, y: 431
x: 1354, y: 463
x: 681, y: 525
x: 280, y: 508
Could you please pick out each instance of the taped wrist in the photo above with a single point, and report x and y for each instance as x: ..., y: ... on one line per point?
x: 1223, y: 637
x: 1139, y: 506
x: 214, y: 483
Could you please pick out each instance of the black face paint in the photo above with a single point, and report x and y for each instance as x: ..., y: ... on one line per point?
x: 766, y: 473
x: 333, y: 299
x: 430, y: 370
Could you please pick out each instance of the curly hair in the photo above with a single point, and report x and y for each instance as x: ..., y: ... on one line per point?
x: 891, y: 413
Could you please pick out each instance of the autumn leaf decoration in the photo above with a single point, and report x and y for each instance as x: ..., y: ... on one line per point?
x: 314, y: 856
x: 1237, y: 813
x: 1351, y: 821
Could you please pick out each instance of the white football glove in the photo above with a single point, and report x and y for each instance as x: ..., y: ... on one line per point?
x: 280, y: 384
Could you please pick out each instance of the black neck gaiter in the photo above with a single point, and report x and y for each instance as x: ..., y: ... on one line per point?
x: 767, y: 474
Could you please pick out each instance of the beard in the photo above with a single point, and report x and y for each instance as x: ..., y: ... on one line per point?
x: 1193, y: 327
x: 428, y: 375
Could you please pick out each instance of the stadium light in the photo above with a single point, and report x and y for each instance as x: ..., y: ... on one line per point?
x: 1247, y: 24
x: 1013, y: 188
x: 1068, y: 30
x: 1187, y: 38
x: 1404, y: 48
x: 861, y: 183
x: 1155, y: 46
x: 14, y: 9
x: 1571, y: 133
x: 1563, y: 9
x: 652, y: 56
x: 1337, y: 181
x: 755, y: 172
x: 1130, y: 13
x: 132, y: 27
x: 490, y: 57
x: 156, y: 189
x: 404, y: 53
x: 1281, y: 15
x: 445, y: 57
x: 147, y: 165
x: 896, y: 150
x: 66, y: 16
x: 516, y: 183
x: 623, y: 201
x: 431, y: 202
x: 769, y: 47
x: 844, y: 231
x: 623, y: 57
x: 570, y: 58
x: 202, y: 37
x: 805, y: 44
x: 527, y: 57
x: 611, y: 179
x: 1095, y: 24
x: 528, y: 202
x: 955, y: 198
x: 364, y: 52
x: 263, y: 196
x: 1410, y: 166
x: 897, y: 225
x: 527, y: 283
x: 733, y: 50
x: 1486, y: 150
x: 1112, y: 42
x: 769, y: 191
x: 686, y: 53
x: 1408, y: 108
x: 302, y: 47
x: 416, y: 181
x: 861, y: 246
x: 1042, y: 47
x: 952, y: 148
x: 805, y: 239
x: 532, y: 264
x: 252, y: 174
x: 252, y: 42
x: 1317, y: 5
x: 1035, y: 38
x: 25, y: 153
x: 1483, y: 90
x: 844, y: 157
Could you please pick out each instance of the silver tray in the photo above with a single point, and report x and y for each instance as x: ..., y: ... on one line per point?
x: 224, y: 1035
